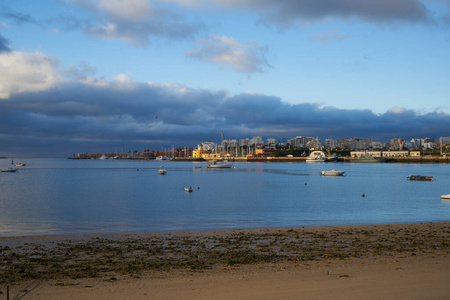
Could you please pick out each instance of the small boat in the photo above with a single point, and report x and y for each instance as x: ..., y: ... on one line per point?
x: 21, y: 164
x: 162, y: 171
x: 162, y: 157
x: 188, y: 189
x: 420, y: 177
x: 219, y: 164
x: 10, y: 170
x: 445, y: 197
x: 332, y: 173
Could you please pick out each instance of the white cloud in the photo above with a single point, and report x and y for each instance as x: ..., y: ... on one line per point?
x: 135, y: 22
x: 396, y: 110
x: 246, y: 57
x: 26, y: 72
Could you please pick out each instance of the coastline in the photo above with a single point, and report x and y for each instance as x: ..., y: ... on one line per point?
x: 412, y: 160
x: 400, y: 259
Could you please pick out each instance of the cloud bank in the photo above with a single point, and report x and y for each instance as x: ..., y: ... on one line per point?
x: 291, y: 12
x: 79, y: 116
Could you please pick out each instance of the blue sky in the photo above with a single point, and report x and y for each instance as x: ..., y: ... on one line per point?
x: 93, y: 75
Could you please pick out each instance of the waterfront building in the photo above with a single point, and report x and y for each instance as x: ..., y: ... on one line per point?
x: 445, y: 140
x: 229, y: 143
x: 244, y: 142
x: 300, y: 141
x: 366, y: 152
x: 354, y: 143
x: 200, y: 152
x: 397, y: 144
x: 314, y: 144
x: 209, y: 146
x: 271, y: 143
x: 376, y: 146
x: 330, y: 143
x: 395, y: 153
x: 257, y: 141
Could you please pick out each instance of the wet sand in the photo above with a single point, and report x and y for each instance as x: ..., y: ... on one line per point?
x: 401, y: 261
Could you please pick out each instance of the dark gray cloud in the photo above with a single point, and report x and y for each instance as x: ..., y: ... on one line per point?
x: 4, y: 45
x: 289, y: 12
x: 77, y: 117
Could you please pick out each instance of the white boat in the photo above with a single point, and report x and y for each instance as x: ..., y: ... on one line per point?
x: 103, y: 157
x: 445, y: 197
x: 10, y: 170
x: 316, y: 156
x: 332, y: 173
x: 162, y: 157
x: 162, y: 171
x: 188, y: 189
x: 219, y: 164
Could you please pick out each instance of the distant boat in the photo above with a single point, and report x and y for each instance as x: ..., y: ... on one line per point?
x: 368, y: 159
x: 162, y: 171
x: 10, y: 170
x: 316, y: 157
x: 103, y: 157
x: 21, y: 164
x: 219, y: 164
x: 188, y: 189
x: 332, y: 173
x: 420, y: 177
x: 445, y: 197
x: 162, y: 157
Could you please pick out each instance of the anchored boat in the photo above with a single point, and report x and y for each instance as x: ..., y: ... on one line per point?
x: 219, y: 164
x: 420, y: 177
x: 332, y: 173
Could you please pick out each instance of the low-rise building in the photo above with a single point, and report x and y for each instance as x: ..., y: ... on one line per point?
x: 395, y: 153
x: 365, y: 153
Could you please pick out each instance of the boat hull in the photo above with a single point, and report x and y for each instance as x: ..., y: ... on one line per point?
x: 10, y: 170
x: 420, y: 178
x: 332, y: 173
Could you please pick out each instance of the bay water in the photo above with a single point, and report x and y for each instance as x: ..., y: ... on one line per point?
x: 62, y: 196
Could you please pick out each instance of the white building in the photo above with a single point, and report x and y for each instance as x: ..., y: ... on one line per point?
x: 330, y: 143
x: 257, y: 140
x: 208, y: 146
x: 300, y: 141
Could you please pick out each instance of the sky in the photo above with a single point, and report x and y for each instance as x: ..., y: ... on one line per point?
x: 103, y: 75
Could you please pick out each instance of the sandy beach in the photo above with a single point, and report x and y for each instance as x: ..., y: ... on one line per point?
x: 400, y: 261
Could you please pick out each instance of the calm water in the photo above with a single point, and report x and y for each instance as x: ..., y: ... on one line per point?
x: 61, y: 196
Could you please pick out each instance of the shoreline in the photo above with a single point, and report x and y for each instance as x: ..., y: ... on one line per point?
x: 176, y: 265
x: 209, y: 231
x: 412, y: 160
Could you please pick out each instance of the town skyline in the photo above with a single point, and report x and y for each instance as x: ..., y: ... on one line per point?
x: 94, y: 75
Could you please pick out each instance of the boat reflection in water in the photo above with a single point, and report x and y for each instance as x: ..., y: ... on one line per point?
x: 220, y: 164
